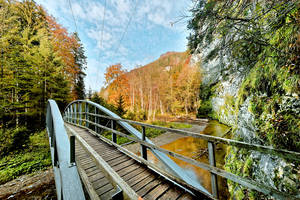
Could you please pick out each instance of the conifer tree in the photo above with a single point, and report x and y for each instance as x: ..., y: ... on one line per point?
x: 120, y: 106
x: 80, y: 61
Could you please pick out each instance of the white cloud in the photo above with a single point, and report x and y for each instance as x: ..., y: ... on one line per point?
x: 158, y: 12
x: 149, y: 15
x: 107, y: 42
x: 95, y: 74
x: 122, y: 6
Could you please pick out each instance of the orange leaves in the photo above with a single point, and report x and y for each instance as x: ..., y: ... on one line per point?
x: 158, y: 86
x: 117, y: 82
x: 113, y: 72
x: 64, y: 43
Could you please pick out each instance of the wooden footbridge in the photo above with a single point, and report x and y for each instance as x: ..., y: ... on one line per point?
x: 89, y: 166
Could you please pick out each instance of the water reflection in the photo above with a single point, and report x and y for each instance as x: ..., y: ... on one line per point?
x: 197, y: 149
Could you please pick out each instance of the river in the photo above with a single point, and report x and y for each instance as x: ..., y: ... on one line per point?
x: 197, y: 149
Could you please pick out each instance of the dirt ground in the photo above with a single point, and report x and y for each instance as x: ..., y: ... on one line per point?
x: 37, y: 186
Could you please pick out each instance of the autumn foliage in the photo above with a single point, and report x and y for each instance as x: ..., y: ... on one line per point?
x: 39, y: 60
x: 169, y: 85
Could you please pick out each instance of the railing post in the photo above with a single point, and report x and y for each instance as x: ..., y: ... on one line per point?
x: 95, y: 119
x: 86, y: 114
x: 212, y: 162
x: 52, y: 133
x: 55, y: 156
x: 75, y: 112
x: 69, y: 119
x: 144, y: 148
x: 113, y: 135
x: 71, y: 113
x: 72, y: 150
x: 98, y: 122
x: 80, y: 114
x: 67, y: 115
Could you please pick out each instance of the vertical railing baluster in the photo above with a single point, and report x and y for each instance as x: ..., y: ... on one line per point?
x: 55, y: 156
x: 72, y: 149
x: 75, y: 112
x: 86, y: 114
x: 51, y: 132
x: 143, y: 147
x: 212, y: 162
x: 71, y: 113
x: 113, y: 135
x: 98, y: 122
x: 68, y: 114
x: 95, y: 119
x: 80, y: 113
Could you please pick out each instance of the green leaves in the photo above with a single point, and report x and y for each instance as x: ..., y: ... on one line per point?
x: 244, y: 28
x: 33, y: 67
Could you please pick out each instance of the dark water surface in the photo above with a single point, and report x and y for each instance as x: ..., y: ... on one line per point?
x: 197, y: 149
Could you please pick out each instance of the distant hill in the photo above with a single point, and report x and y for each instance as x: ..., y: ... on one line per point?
x: 167, y: 85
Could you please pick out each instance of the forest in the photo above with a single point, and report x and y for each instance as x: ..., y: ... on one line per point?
x: 167, y: 86
x: 40, y: 60
x: 241, y: 68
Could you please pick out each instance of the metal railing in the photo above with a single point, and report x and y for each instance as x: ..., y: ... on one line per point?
x: 77, y: 115
x: 67, y: 180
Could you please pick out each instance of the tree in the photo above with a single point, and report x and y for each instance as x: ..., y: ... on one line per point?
x: 80, y: 62
x: 71, y: 51
x: 89, y: 94
x: 37, y: 63
x: 117, y: 83
x: 120, y: 106
x: 244, y: 30
x: 168, y: 85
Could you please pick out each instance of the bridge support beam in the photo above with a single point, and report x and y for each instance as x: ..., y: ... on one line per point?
x: 212, y: 162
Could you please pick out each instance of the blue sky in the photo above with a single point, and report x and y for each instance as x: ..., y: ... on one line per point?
x: 149, y: 33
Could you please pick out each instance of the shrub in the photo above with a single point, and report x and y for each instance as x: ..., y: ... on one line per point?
x: 13, y: 139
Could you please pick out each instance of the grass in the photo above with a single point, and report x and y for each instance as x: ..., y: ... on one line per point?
x: 33, y: 157
x: 150, y: 132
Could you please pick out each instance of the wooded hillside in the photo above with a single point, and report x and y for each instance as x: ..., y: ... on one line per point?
x: 168, y: 85
x: 39, y: 60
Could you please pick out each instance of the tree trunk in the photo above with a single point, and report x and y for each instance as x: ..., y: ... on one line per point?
x: 161, y: 107
x: 150, y: 104
x: 142, y: 98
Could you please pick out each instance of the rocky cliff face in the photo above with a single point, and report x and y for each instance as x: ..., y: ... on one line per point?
x: 258, y: 112
x: 249, y: 53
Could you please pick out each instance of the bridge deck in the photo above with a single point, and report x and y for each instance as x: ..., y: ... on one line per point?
x: 144, y: 181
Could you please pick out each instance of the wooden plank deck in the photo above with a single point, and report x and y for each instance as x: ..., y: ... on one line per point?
x: 144, y: 181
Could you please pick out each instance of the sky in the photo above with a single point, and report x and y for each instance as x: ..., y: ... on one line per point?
x: 130, y: 32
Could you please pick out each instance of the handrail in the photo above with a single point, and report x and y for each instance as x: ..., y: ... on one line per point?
x: 67, y: 180
x: 211, y: 142
x: 265, y: 149
x: 168, y: 162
